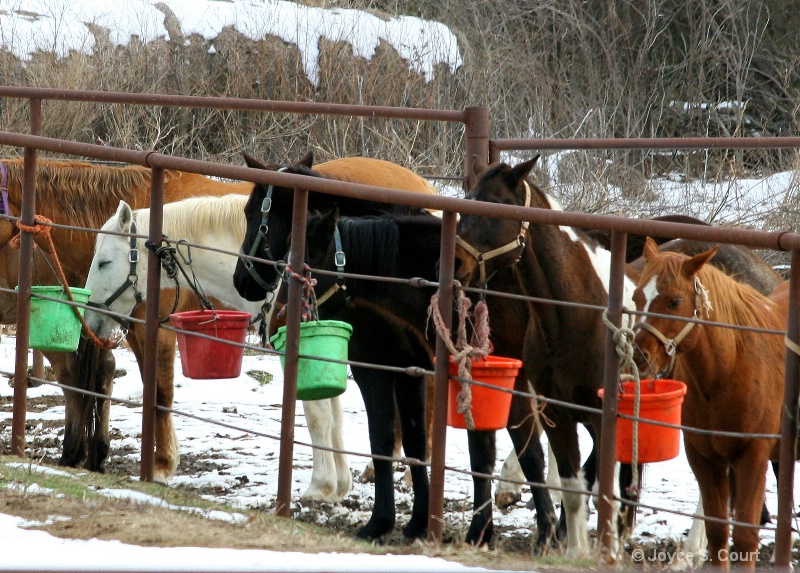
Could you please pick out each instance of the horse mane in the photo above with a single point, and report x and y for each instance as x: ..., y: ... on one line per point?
x: 371, y: 244
x: 193, y: 218
x: 80, y: 192
x: 732, y: 302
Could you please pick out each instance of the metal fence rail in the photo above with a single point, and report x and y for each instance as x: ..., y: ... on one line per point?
x: 476, y: 121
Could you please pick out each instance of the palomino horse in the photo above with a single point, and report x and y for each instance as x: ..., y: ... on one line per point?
x: 85, y: 194
x: 217, y: 222
x: 734, y: 378
x: 389, y: 328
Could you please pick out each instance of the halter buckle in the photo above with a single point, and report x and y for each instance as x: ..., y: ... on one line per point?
x: 670, y: 347
x: 266, y: 205
x: 339, y: 259
x: 133, y: 256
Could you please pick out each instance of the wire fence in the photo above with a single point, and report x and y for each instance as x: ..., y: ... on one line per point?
x: 477, y: 143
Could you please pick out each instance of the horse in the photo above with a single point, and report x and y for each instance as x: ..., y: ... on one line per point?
x: 554, y: 263
x: 216, y: 221
x: 389, y: 327
x: 86, y: 194
x: 734, y: 377
x: 547, y: 263
x: 254, y: 281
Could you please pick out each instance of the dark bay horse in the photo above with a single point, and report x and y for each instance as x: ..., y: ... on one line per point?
x: 389, y: 327
x: 735, y: 382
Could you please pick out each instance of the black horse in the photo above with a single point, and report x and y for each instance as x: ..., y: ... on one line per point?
x: 389, y: 327
x: 272, y: 245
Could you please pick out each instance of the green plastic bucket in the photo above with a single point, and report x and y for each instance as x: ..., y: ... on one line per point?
x: 318, y: 379
x: 54, y: 325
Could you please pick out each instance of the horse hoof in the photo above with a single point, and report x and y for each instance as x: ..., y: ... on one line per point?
x: 160, y: 478
x: 414, y: 530
x: 375, y: 529
x: 325, y: 494
x: 506, y: 499
x: 480, y: 533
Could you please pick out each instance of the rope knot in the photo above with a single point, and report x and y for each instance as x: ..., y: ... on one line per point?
x: 462, y: 351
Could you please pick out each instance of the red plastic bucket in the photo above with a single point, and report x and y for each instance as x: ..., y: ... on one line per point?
x: 202, y: 358
x: 490, y: 407
x: 659, y: 400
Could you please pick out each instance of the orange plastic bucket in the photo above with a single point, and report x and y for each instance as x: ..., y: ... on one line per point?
x: 202, y: 358
x: 659, y: 400
x: 490, y: 407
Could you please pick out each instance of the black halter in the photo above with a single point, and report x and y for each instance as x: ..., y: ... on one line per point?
x: 130, y: 282
x: 263, y: 228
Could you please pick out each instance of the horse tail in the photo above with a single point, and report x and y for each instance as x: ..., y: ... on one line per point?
x: 93, y: 375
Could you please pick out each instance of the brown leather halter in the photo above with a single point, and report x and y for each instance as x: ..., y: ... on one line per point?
x: 519, y: 242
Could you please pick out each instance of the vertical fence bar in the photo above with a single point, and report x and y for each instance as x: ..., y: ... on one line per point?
x: 783, y: 536
x: 476, y: 132
x: 293, y: 316
x: 439, y: 422
x: 608, y: 433
x: 152, y: 308
x: 24, y: 280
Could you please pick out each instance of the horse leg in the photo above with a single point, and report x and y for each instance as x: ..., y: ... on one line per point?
x: 166, y: 455
x: 99, y: 440
x: 712, y: 480
x: 564, y: 441
x: 410, y: 399
x: 482, y: 454
x: 323, y: 486
x: 377, y: 391
x: 506, y: 493
x: 344, y: 478
x: 696, y: 543
x: 749, y: 473
x: 525, y: 433
x: 74, y: 448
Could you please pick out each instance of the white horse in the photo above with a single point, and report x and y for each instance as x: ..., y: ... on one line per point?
x: 218, y: 222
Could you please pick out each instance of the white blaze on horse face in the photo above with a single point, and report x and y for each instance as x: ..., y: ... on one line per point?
x: 650, y: 292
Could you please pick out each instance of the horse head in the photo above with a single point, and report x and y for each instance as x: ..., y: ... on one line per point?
x: 669, y: 285
x: 485, y: 245
x: 269, y: 224
x: 116, y: 271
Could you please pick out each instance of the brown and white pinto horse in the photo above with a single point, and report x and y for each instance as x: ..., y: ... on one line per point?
x: 734, y: 378
x: 564, y: 345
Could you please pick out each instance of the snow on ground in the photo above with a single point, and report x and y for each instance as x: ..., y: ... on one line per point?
x: 246, y: 403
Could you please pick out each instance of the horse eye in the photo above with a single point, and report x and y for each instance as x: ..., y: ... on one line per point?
x: 675, y: 303
x: 103, y: 264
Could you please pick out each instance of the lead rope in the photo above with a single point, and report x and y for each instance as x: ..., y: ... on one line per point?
x: 623, y: 340
x: 44, y: 230
x: 308, y: 311
x: 462, y: 351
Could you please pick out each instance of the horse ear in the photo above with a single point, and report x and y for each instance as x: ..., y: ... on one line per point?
x: 478, y: 165
x: 521, y: 171
x: 124, y: 217
x: 692, y: 265
x: 252, y: 162
x: 650, y: 248
x: 307, y: 160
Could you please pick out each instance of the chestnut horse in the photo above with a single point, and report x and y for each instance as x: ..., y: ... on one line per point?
x: 86, y: 194
x: 735, y: 382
